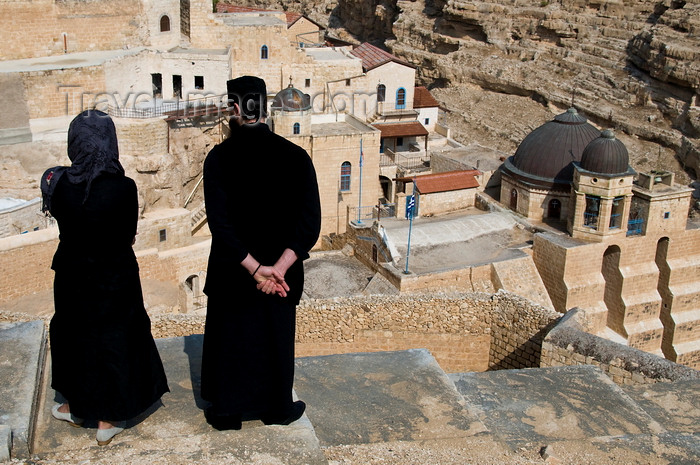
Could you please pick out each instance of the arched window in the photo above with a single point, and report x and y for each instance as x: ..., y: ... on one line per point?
x: 164, y: 23
x: 514, y: 200
x: 401, y: 98
x: 345, y: 170
x: 296, y: 128
x: 263, y: 52
x: 381, y: 93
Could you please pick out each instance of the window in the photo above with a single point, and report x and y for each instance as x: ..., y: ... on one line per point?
x: 199, y: 82
x: 401, y: 99
x: 427, y: 121
x: 667, y: 215
x: 381, y: 146
x: 399, y: 141
x: 347, y: 82
x: 590, y: 216
x: 162, y: 235
x: 381, y: 93
x: 307, y: 82
x: 296, y: 128
x: 264, y: 52
x: 618, y: 205
x: 345, y: 170
x: 514, y: 200
x: 164, y: 23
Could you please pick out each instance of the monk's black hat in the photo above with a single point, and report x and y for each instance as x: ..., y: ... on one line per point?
x: 250, y: 93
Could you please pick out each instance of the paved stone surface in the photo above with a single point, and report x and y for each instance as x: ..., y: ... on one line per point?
x: 380, y: 397
x: 676, y: 405
x: 553, y: 404
x: 22, y: 352
x: 175, y: 430
x: 429, y: 232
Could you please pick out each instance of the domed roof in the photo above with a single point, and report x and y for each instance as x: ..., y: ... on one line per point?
x: 547, y: 152
x: 291, y: 99
x: 605, y: 155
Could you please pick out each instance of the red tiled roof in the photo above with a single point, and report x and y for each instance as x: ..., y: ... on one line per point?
x: 413, y: 128
x: 445, y: 182
x: 373, y: 57
x: 422, y: 98
x: 292, y: 17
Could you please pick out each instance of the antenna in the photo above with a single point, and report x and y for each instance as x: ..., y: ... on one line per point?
x: 573, y: 96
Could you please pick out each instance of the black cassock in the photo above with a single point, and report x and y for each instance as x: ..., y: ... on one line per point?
x: 104, y: 360
x: 261, y: 198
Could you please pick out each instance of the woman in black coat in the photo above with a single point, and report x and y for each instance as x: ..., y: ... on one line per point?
x: 104, y: 359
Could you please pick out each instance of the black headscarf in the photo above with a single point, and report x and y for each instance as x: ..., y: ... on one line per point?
x: 92, y: 149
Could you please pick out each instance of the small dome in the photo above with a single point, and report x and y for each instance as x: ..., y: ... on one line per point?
x: 548, y: 151
x: 606, y: 155
x: 291, y: 99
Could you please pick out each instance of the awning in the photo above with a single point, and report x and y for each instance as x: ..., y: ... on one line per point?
x: 413, y: 128
x: 444, y: 182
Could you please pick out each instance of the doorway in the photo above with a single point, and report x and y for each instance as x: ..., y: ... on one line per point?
x: 177, y: 86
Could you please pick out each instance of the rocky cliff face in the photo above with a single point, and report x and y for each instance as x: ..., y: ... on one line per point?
x: 633, y: 65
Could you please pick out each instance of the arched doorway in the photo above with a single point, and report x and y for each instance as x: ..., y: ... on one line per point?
x: 613, y: 290
x: 514, y: 200
x: 554, y: 209
x: 387, y: 191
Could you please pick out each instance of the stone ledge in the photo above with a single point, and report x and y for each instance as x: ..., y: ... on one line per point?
x: 617, y: 360
x: 22, y: 349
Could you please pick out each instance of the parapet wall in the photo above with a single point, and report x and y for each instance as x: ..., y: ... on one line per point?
x: 568, y: 343
x: 465, y: 331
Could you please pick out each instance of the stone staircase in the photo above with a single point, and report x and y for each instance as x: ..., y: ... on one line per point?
x: 198, y: 217
x: 386, y: 407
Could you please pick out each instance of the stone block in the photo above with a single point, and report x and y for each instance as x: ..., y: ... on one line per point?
x: 22, y: 354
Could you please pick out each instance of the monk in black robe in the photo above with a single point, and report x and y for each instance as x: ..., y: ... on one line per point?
x: 104, y: 359
x: 264, y: 214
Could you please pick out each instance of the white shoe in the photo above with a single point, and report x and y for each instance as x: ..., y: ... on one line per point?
x: 104, y: 436
x: 69, y: 417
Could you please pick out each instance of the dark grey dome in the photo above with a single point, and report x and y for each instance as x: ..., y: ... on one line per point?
x: 605, y: 155
x: 291, y: 99
x: 547, y: 152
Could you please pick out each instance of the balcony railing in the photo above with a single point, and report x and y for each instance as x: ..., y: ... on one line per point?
x: 175, y: 109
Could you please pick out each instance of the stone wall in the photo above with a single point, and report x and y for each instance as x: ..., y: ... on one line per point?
x: 569, y: 343
x: 26, y: 263
x: 23, y: 218
x: 645, y: 288
x: 61, y: 92
x: 465, y: 332
x: 36, y: 28
x: 444, y: 202
x: 34, y: 251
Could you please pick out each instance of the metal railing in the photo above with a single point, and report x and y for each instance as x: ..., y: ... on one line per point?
x: 634, y: 227
x: 207, y: 106
x: 370, y: 213
x: 590, y: 220
x: 413, y: 163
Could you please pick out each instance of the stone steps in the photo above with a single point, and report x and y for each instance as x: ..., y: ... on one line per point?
x: 378, y: 404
